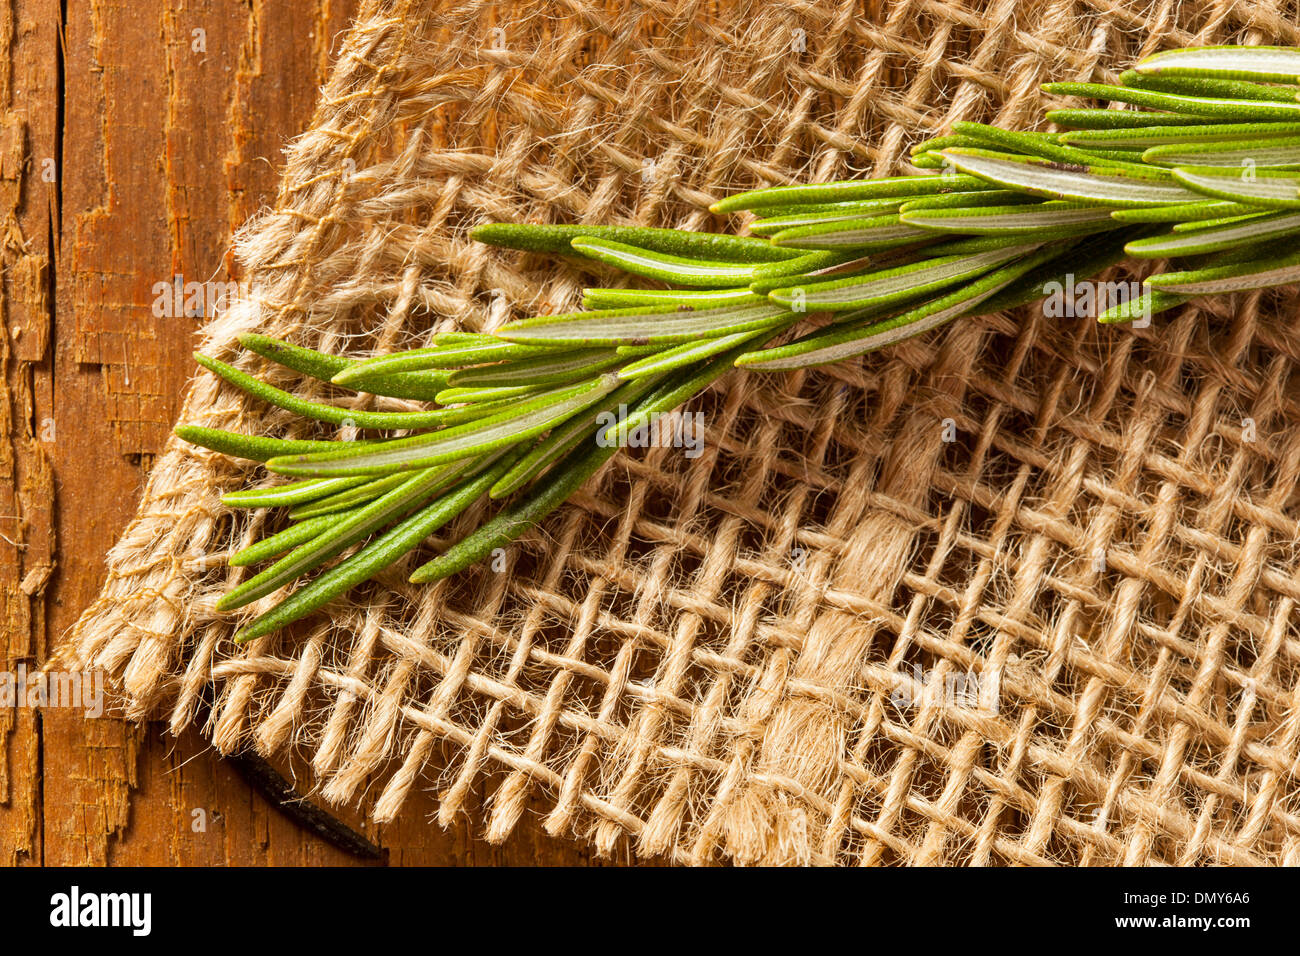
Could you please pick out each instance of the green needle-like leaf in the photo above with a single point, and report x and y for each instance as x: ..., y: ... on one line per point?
x: 808, y: 263
x: 303, y: 360
x: 528, y: 420
x: 285, y: 540
x: 1146, y: 137
x: 859, y: 338
x: 343, y: 533
x: 936, y: 143
x: 855, y: 206
x: 716, y: 274
x: 1195, y: 242
x: 1207, y: 86
x: 1264, y: 64
x: 437, y: 357
x: 984, y: 197
x: 555, y: 369
x: 874, y: 234
x: 326, y: 413
x: 627, y: 298
x: 1030, y: 144
x: 1213, y: 107
x: 1201, y: 211
x: 675, y: 391
x: 1277, y: 153
x: 420, y: 386
x: 487, y: 394
x: 290, y: 494
x: 691, y: 352
x: 1104, y: 184
x: 379, y: 554
x: 896, y: 285
x: 562, y: 439
x: 517, y: 518
x: 654, y: 325
x: 837, y: 212
x: 1150, y: 302
x: 253, y: 447
x: 1036, y: 219
x: 673, y: 242
x: 1260, y: 273
x: 368, y: 490
x: 1265, y: 187
x: 1198, y: 224
x: 1100, y: 119
x: 857, y: 189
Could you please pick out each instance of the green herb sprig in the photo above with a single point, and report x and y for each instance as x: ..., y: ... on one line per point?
x: 1199, y: 162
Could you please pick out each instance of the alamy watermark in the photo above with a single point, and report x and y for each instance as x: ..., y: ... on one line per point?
x: 79, y: 909
x: 967, y: 690
x: 72, y: 690
x: 662, y: 430
x: 193, y: 300
x: 1087, y: 298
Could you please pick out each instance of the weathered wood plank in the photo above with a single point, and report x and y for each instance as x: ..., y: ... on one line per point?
x: 29, y: 103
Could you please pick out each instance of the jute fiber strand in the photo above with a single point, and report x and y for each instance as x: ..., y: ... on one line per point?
x: 766, y: 653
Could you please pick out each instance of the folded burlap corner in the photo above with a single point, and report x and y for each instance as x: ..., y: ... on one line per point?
x: 736, y: 656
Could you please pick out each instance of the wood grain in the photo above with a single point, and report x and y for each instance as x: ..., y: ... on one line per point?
x: 135, y: 137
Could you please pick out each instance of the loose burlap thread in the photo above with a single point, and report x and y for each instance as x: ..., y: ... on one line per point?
x: 745, y: 656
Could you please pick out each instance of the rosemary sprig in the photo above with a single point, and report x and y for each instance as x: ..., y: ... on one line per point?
x: 1200, y: 164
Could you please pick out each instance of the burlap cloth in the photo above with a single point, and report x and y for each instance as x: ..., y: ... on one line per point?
x: 723, y: 658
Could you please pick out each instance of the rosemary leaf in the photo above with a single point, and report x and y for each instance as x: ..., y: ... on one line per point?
x: 653, y: 325
x: 898, y: 284
x: 1266, y: 187
x: 1107, y: 185
x: 528, y: 419
x: 377, y: 555
x: 1200, y: 241
x: 1264, y: 64
x: 1238, y: 277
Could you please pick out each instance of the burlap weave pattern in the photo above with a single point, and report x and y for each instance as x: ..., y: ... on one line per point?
x: 721, y: 658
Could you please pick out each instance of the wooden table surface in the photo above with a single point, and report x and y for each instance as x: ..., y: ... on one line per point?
x: 137, y: 134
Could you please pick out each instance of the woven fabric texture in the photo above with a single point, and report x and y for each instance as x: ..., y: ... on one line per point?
x: 765, y: 654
